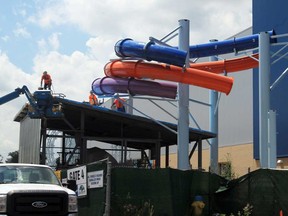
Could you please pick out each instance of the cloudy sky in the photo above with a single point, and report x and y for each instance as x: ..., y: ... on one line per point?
x: 74, y: 39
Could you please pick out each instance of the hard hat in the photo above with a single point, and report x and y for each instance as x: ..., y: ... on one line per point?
x: 198, y: 198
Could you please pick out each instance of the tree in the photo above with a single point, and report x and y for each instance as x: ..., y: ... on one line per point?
x: 227, y: 170
x: 13, y: 157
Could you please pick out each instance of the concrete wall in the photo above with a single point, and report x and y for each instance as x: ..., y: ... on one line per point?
x: 240, y: 156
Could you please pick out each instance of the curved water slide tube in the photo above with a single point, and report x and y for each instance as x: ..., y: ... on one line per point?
x: 169, y: 55
x: 228, y: 65
x: 192, y: 76
x: 227, y: 46
x: 111, y: 85
x: 150, y: 51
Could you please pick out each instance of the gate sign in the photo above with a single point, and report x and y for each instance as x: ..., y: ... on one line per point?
x: 78, y: 174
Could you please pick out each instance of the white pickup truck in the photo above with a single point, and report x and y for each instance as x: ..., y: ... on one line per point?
x: 29, y: 189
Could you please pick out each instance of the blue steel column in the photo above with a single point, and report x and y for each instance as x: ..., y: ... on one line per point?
x: 213, y: 96
x: 272, y: 140
x: 183, y: 103
x: 264, y: 96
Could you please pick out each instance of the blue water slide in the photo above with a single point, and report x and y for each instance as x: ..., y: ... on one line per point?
x: 227, y: 46
x: 150, y: 51
x: 171, y: 55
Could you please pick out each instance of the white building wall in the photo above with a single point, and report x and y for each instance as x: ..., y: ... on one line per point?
x: 236, y: 110
x: 29, y: 142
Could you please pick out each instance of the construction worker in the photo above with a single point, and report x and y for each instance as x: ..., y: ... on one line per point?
x: 118, y: 102
x: 93, y: 99
x: 47, y: 80
x: 197, y: 206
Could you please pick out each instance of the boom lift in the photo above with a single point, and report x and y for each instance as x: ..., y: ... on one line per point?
x: 40, y: 102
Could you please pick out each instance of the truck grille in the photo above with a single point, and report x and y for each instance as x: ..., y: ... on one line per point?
x: 32, y: 203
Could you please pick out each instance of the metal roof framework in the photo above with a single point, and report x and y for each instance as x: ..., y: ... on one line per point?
x: 85, y: 122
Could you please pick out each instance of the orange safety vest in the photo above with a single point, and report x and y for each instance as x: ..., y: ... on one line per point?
x: 47, y: 79
x: 93, y: 99
x: 118, y: 103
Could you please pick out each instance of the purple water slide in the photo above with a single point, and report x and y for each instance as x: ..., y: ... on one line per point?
x: 109, y: 86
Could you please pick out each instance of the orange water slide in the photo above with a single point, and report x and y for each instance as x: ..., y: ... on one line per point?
x: 229, y: 65
x: 192, y: 76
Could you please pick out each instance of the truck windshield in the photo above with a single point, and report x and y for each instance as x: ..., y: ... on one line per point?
x: 27, y: 174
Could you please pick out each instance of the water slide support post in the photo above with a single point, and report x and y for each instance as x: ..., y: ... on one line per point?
x: 272, y: 140
x: 264, y: 96
x: 183, y: 103
x: 213, y: 111
x: 130, y: 103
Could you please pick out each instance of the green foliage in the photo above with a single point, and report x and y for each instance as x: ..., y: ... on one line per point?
x: 246, y: 211
x: 13, y: 157
x: 129, y: 209
x: 228, y: 172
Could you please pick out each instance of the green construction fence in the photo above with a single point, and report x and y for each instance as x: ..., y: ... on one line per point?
x: 170, y: 192
x: 135, y: 191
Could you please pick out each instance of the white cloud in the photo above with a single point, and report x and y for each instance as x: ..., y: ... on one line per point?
x: 71, y: 75
x: 10, y: 79
x: 45, y: 17
x: 141, y: 19
x: 5, y: 38
x: 42, y: 45
x: 20, y: 9
x: 101, y: 49
x: 11, y: 76
x: 21, y: 31
x: 54, y: 41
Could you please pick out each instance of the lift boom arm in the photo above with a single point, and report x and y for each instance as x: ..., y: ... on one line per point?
x: 41, y: 102
x: 17, y: 92
x: 10, y: 96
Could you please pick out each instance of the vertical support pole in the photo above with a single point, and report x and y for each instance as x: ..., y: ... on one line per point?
x: 272, y: 140
x: 183, y: 103
x: 213, y: 111
x: 200, y: 154
x: 158, y: 151
x: 108, y: 189
x: 264, y: 96
x: 157, y: 154
x: 44, y: 134
x: 167, y: 155
x: 125, y: 150
x: 130, y: 107
x: 63, y: 155
x: 82, y: 143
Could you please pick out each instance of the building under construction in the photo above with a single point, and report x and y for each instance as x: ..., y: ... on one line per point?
x: 62, y: 136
